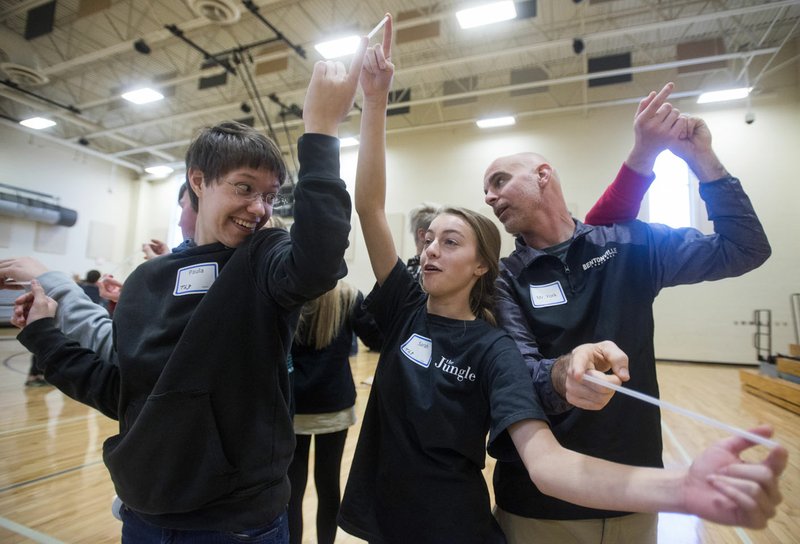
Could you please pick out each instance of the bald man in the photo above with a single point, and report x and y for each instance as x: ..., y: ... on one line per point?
x: 568, y: 284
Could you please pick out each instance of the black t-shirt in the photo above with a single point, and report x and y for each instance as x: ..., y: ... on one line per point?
x: 440, y: 386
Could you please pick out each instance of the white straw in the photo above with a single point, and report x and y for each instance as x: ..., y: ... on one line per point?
x: 15, y: 282
x: 688, y: 413
x: 378, y: 27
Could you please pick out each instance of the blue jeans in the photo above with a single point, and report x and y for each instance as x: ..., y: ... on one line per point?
x: 137, y: 531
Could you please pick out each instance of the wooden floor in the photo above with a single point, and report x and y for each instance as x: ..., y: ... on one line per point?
x: 54, y: 487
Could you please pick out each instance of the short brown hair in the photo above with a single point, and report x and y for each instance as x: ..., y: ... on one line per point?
x: 217, y: 150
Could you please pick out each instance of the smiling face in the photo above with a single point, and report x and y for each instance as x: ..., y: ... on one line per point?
x: 225, y: 216
x: 511, y: 186
x: 449, y: 261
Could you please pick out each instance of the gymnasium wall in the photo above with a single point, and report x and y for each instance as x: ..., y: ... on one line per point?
x: 705, y: 322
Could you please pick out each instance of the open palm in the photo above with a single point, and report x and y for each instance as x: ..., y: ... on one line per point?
x: 720, y: 487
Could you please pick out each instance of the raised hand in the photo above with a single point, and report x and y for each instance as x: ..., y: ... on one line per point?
x: 378, y: 70
x: 110, y: 288
x: 722, y: 488
x: 694, y: 146
x: 154, y: 248
x: 331, y: 93
x: 567, y: 374
x: 656, y: 126
x: 32, y: 306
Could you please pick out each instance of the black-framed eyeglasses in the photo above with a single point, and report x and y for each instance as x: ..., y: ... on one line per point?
x: 245, y: 192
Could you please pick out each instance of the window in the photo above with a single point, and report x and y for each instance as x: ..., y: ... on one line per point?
x: 672, y: 196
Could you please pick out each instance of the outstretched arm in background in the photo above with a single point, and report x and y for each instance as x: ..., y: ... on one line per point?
x: 75, y: 370
x: 370, y: 194
x: 155, y: 248
x: 656, y: 126
x: 77, y: 316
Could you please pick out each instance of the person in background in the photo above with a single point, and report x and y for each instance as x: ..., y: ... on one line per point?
x: 419, y: 220
x: 186, y: 222
x: 35, y: 377
x: 89, y: 286
x: 325, y: 397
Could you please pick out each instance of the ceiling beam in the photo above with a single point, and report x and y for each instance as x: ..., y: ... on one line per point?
x: 74, y: 119
x: 562, y: 43
x: 83, y: 149
x: 151, y: 38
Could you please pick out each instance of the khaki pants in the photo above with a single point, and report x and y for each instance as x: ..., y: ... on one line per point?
x: 630, y: 529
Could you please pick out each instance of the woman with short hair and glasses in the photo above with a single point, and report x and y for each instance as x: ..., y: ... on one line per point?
x: 201, y: 391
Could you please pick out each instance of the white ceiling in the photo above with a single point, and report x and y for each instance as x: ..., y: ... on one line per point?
x: 526, y: 66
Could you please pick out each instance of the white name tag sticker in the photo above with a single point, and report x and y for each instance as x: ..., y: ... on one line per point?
x: 195, y: 279
x: 418, y: 349
x: 550, y: 294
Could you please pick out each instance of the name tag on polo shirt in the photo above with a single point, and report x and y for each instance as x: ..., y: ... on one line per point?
x: 195, y: 279
x: 418, y: 349
x: 549, y: 294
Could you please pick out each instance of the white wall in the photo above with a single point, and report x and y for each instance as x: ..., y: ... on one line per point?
x: 693, y: 322
x: 99, y: 191
x: 446, y: 166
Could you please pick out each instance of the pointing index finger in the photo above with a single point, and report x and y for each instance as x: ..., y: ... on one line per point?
x: 387, y: 36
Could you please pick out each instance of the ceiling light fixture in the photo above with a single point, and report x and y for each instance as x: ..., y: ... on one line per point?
x: 37, y: 123
x: 160, y: 171
x: 486, y: 14
x: 721, y: 96
x: 496, y: 122
x: 578, y: 46
x: 349, y: 141
x: 339, y: 47
x: 142, y: 96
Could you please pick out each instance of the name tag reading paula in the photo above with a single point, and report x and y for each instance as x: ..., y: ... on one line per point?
x: 550, y: 294
x: 195, y: 279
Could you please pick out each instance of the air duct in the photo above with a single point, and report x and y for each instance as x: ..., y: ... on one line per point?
x: 17, y: 204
